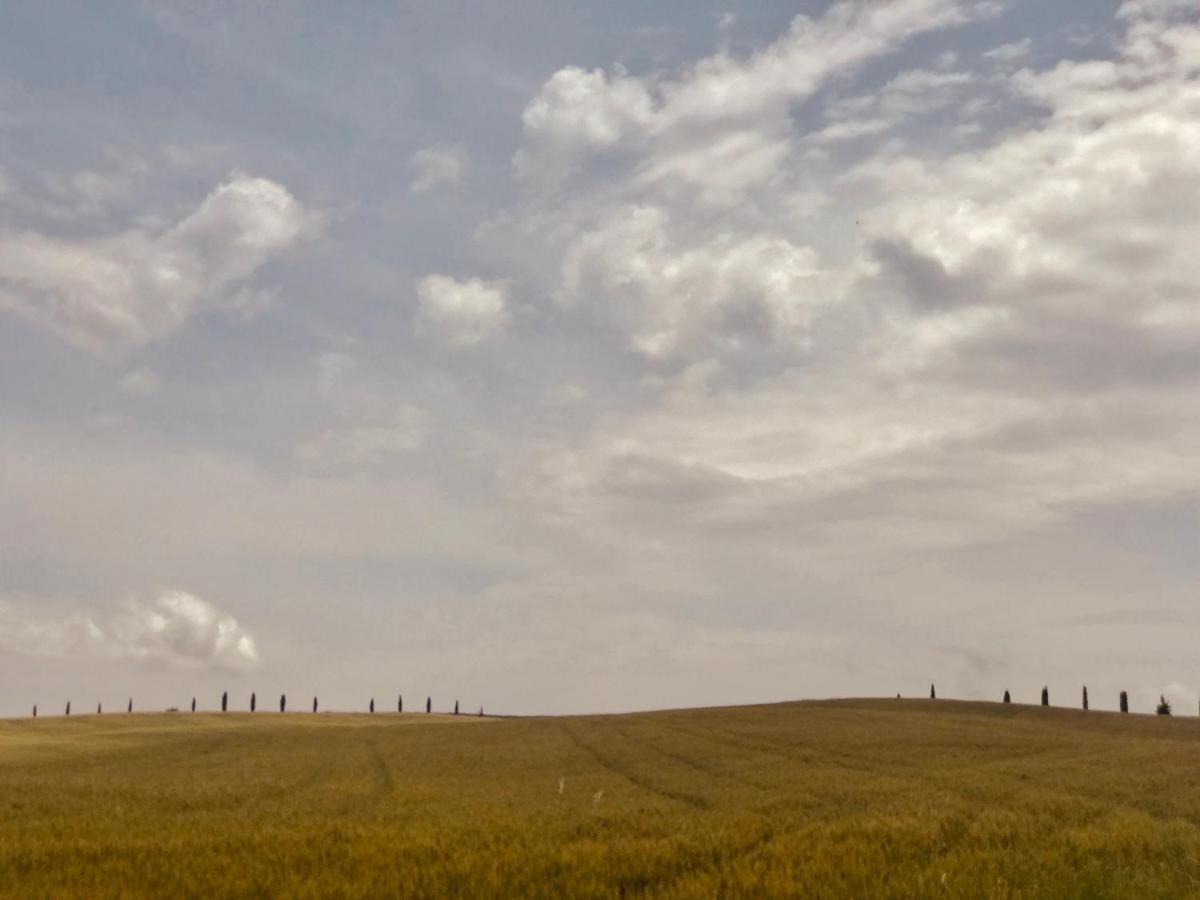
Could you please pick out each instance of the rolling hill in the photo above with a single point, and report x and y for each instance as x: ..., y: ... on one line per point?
x: 863, y: 798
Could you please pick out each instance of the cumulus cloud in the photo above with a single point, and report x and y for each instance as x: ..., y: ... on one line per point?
x: 728, y: 290
x: 116, y: 291
x: 690, y: 242
x: 461, y: 313
x: 175, y: 627
x: 438, y: 166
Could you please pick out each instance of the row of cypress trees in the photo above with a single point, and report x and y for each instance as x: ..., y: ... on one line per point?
x: 1163, y: 708
x: 282, y: 705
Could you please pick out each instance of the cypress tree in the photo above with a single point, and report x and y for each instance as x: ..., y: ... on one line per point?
x: 1045, y: 696
x: 193, y: 704
x: 314, y: 704
x: 1163, y: 708
x: 428, y: 705
x: 283, y: 702
x: 932, y: 693
x: 99, y: 709
x: 372, y: 707
x: 68, y: 707
x: 1007, y: 699
x: 253, y: 701
x: 400, y: 703
x: 456, y: 707
x: 225, y: 701
x: 1085, y: 703
x: 35, y: 710
x: 1124, y: 702
x: 481, y: 710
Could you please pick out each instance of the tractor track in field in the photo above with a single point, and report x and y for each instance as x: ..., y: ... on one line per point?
x: 696, y: 801
x: 695, y: 765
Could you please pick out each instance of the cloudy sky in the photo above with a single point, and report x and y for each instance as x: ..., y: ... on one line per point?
x: 563, y: 357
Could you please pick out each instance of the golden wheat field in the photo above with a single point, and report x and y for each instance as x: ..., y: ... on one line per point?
x: 880, y: 798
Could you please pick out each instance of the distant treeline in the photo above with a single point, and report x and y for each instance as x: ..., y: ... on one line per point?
x: 253, y: 705
x: 1163, y: 708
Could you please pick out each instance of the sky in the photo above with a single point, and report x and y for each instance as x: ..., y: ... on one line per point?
x: 567, y: 357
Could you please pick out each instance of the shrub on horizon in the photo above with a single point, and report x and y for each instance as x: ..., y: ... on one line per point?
x: 1007, y: 698
x: 1124, y: 702
x: 1164, y: 707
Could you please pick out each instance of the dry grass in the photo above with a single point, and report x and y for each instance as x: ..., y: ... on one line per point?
x: 853, y: 798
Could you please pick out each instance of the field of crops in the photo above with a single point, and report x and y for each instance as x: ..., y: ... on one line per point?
x: 884, y: 798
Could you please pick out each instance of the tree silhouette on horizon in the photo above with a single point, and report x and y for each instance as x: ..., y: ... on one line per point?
x: 283, y: 702
x: 1007, y: 698
x: 1085, y: 702
x: 253, y: 701
x: 1124, y: 702
x: 428, y: 705
x: 225, y: 701
x: 932, y: 693
x: 1045, y: 696
x: 372, y: 706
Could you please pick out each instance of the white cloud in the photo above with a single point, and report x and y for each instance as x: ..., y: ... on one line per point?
x: 438, y: 166
x: 1012, y: 52
x: 175, y: 627
x: 112, y: 292
x: 668, y: 299
x: 140, y: 382
x: 461, y: 313
x: 365, y: 444
x: 577, y: 112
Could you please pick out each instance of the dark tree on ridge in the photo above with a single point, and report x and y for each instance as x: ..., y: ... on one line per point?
x: 932, y: 693
x: 1007, y: 699
x: 1085, y: 703
x: 314, y: 704
x: 1164, y: 707
x: 283, y: 702
x: 428, y: 704
x: 225, y: 701
x: 99, y: 708
x: 1124, y: 702
x: 68, y: 707
x: 129, y: 708
x: 193, y: 704
x: 456, y: 707
x: 400, y: 703
x: 35, y: 710
x: 253, y: 701
x: 372, y: 707
x: 1045, y: 696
